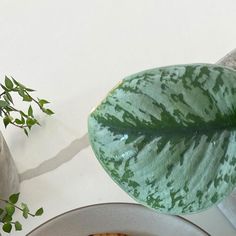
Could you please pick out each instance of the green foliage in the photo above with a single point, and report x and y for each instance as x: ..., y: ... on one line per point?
x: 12, y: 115
x: 7, y: 227
x: 18, y: 226
x: 7, y: 213
x: 24, y: 120
x: 25, y: 210
x: 8, y: 83
x: 39, y: 212
x: 14, y: 198
x: 167, y: 136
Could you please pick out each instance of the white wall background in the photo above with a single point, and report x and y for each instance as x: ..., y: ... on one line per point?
x: 74, y: 51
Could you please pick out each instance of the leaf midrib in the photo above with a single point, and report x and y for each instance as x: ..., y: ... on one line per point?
x: 118, y: 127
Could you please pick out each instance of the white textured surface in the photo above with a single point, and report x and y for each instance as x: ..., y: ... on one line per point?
x: 73, y: 52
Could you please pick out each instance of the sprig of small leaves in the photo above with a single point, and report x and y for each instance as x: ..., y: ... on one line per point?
x: 10, y: 114
x: 24, y: 120
x: 7, y: 213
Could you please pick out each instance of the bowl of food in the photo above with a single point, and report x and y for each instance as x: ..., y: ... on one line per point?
x: 117, y: 219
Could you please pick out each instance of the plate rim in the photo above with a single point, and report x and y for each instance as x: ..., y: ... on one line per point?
x: 116, y: 204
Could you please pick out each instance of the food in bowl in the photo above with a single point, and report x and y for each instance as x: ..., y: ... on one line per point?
x: 109, y: 234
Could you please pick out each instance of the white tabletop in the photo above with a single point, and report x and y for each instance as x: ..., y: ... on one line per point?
x: 73, y: 52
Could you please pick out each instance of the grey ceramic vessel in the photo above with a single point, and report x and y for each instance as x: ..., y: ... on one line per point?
x: 9, y: 179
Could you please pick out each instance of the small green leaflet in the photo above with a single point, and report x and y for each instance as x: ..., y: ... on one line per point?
x: 3, y: 103
x: 25, y: 210
x: 10, y: 209
x: 8, y: 83
x: 7, y: 227
x: 14, y: 198
x: 167, y: 136
x: 18, y: 226
x: 39, y: 212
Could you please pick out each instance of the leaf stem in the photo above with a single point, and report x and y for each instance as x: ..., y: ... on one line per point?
x: 2, y: 93
x: 19, y: 126
x: 20, y: 209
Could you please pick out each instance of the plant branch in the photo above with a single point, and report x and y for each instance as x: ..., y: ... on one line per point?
x: 2, y: 93
x: 20, y: 209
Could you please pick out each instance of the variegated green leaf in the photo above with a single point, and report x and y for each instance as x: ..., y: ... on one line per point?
x: 167, y: 136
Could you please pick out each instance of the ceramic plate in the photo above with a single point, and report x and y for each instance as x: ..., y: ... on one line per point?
x: 131, y: 219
